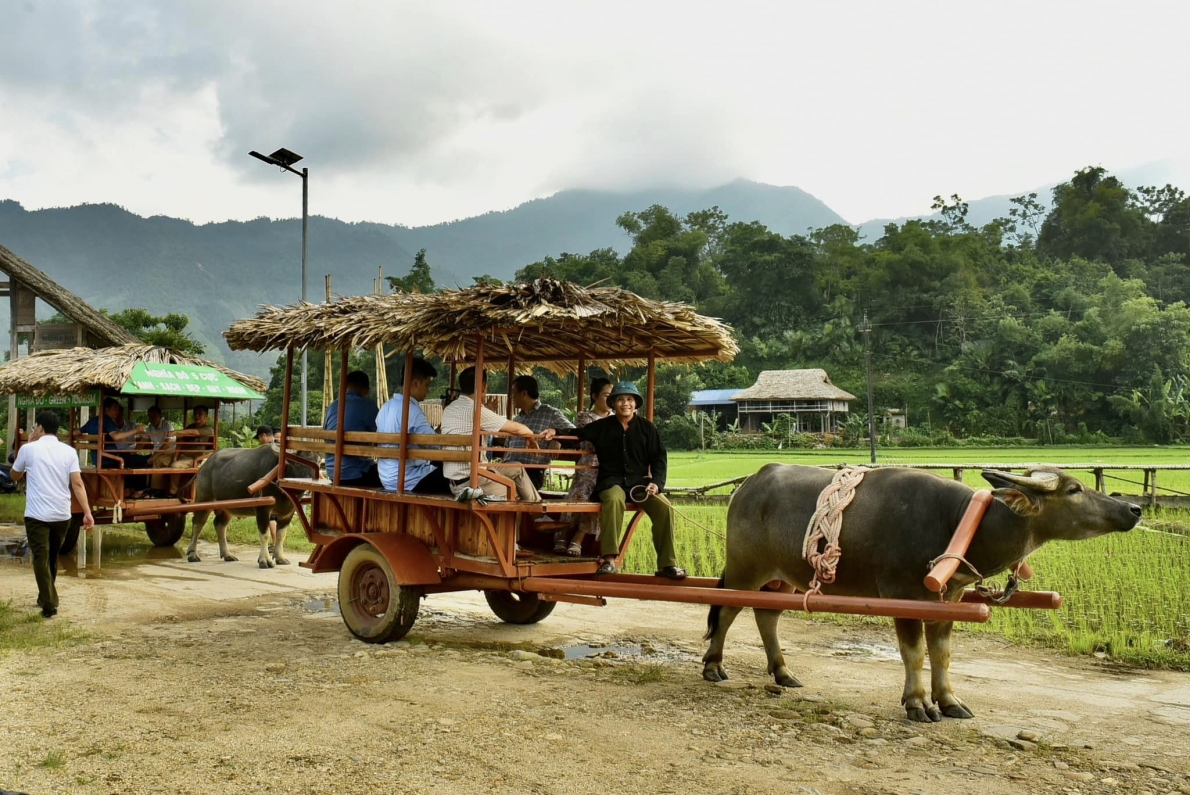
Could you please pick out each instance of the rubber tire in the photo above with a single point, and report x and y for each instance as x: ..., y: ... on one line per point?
x: 518, y: 608
x: 168, y: 530
x: 366, y: 590
x: 71, y: 540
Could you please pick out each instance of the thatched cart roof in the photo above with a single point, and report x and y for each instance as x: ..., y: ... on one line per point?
x: 792, y: 385
x: 77, y: 370
x: 546, y: 322
x: 100, y: 326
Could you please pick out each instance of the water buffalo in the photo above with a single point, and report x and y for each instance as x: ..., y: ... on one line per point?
x: 226, y: 475
x: 899, y: 521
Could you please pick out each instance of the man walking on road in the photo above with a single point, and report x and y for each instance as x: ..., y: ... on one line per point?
x: 52, y: 469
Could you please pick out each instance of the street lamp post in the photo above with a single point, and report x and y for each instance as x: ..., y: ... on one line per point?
x: 284, y: 159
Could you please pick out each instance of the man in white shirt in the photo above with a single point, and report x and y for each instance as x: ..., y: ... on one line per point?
x: 458, y: 418
x: 161, y: 436
x: 52, y: 469
x: 421, y: 477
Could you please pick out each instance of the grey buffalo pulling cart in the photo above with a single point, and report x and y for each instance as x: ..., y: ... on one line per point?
x: 392, y: 548
x: 143, y: 375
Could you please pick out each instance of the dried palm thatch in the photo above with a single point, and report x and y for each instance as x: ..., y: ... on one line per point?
x: 547, y: 322
x: 77, y: 370
x: 793, y: 385
x: 101, y: 328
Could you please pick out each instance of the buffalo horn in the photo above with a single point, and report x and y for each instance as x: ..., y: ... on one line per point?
x: 1038, y: 480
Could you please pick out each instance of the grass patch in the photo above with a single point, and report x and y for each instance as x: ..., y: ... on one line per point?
x: 1126, y: 595
x: 640, y: 673
x: 21, y: 630
x: 54, y: 760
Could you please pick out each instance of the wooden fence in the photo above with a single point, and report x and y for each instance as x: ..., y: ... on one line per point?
x: 1150, y: 495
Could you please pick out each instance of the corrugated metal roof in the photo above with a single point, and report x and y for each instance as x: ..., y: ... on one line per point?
x: 712, y: 397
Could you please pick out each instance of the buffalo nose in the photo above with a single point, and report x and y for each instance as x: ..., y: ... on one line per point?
x: 1134, y: 510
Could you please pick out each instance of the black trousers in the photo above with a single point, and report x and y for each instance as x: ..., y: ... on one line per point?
x: 371, y: 477
x: 536, y: 477
x: 45, y: 542
x: 433, y: 483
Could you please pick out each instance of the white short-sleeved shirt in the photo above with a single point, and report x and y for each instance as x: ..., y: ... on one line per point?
x: 458, y: 418
x: 159, y: 436
x: 47, y: 464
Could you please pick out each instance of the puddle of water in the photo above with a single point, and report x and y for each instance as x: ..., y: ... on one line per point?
x: 875, y: 651
x: 583, y: 651
x: 321, y: 604
x: 16, y: 549
x: 119, y: 551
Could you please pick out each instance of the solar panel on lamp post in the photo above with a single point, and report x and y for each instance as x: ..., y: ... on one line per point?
x: 284, y: 159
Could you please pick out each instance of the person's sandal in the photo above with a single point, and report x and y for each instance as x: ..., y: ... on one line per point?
x: 560, y: 547
x: 575, y: 549
x: 672, y: 573
x: 608, y: 567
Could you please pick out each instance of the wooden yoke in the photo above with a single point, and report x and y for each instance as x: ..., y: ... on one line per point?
x: 948, y: 563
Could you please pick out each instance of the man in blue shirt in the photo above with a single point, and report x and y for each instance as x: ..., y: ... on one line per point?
x: 421, y: 477
x: 359, y: 415
x: 113, y: 432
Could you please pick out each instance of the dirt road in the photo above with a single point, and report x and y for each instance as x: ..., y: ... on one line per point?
x: 220, y: 677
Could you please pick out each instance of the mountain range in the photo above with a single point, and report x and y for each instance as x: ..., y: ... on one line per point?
x: 218, y: 272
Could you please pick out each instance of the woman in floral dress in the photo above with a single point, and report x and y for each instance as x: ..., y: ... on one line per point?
x: 584, y: 479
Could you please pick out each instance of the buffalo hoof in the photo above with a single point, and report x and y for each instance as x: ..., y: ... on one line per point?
x: 714, y: 673
x: 283, y: 562
x: 923, y: 714
x: 230, y: 558
x: 957, y: 711
x: 787, y: 680
x: 265, y: 564
x: 192, y: 557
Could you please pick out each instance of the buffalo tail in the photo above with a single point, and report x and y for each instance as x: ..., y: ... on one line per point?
x: 713, y: 617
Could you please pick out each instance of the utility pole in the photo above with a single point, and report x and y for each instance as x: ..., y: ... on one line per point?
x: 868, y: 361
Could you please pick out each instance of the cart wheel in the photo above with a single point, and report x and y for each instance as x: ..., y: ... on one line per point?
x: 168, y: 530
x: 374, y: 607
x: 518, y: 608
x: 71, y: 539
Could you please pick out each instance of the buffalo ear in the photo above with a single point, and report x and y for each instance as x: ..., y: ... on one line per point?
x: 1020, y: 502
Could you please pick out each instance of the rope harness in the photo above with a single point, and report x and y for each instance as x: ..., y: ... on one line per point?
x: 825, y: 526
x: 640, y: 489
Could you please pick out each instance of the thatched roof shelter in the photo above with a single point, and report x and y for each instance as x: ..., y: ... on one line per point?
x: 101, y: 328
x: 76, y: 370
x: 793, y: 385
x: 546, y: 322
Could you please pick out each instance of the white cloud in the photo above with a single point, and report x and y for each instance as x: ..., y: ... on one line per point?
x: 414, y: 113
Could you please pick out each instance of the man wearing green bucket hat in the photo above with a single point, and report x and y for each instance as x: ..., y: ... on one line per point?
x: 632, y: 466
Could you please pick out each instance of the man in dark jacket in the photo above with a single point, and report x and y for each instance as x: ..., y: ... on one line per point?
x: 632, y: 466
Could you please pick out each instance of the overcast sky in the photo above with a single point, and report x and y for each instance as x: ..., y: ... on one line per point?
x: 422, y: 112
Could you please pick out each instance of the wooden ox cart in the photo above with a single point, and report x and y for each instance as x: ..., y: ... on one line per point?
x: 141, y: 375
x: 392, y: 548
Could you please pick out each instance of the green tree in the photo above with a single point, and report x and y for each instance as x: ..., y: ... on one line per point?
x: 167, y: 331
x: 418, y: 280
x: 1095, y: 217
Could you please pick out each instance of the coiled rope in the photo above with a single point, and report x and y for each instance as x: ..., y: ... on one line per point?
x: 821, y: 546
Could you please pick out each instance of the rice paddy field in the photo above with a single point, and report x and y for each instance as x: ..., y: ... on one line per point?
x: 1125, y: 596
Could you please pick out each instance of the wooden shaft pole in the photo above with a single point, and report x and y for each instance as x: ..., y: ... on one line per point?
x: 580, y: 383
x: 285, y: 390
x: 652, y: 384
x: 406, y: 387
x: 344, y: 355
x: 477, y: 415
x: 960, y: 541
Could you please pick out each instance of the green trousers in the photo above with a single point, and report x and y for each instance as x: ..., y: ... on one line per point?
x: 45, y: 542
x: 611, y: 519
